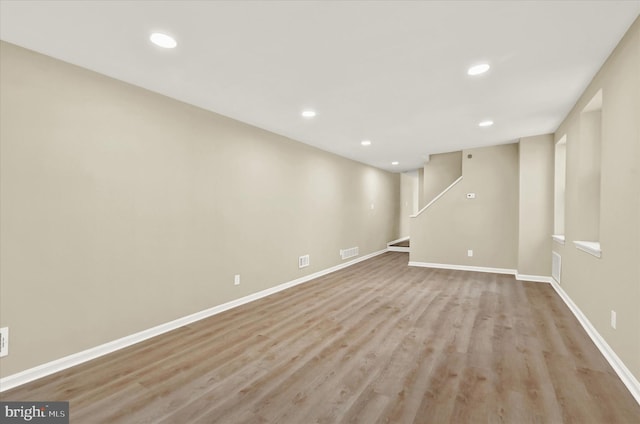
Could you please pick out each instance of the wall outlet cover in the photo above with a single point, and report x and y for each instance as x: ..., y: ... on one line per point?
x: 303, y: 261
x: 4, y: 341
x: 614, y: 319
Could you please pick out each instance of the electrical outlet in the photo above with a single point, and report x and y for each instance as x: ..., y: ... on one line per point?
x: 613, y: 319
x: 471, y: 195
x: 4, y: 341
x: 470, y: 253
x: 236, y: 280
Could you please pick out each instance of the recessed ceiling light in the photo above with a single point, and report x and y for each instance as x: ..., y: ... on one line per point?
x: 478, y: 69
x: 308, y: 113
x: 485, y: 123
x: 163, y: 40
x: 366, y: 142
x: 395, y: 162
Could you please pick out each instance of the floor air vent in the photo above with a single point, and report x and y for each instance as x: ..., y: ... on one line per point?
x: 348, y: 253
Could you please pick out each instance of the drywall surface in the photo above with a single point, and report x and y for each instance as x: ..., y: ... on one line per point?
x: 122, y: 209
x: 611, y: 282
x: 535, y: 205
x: 488, y: 224
x: 408, y: 200
x: 441, y: 170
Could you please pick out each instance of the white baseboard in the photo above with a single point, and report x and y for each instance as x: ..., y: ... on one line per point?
x: 49, y: 368
x: 534, y: 278
x: 519, y: 277
x: 391, y: 248
x: 69, y: 361
x: 398, y: 249
x: 629, y: 380
x: 464, y: 267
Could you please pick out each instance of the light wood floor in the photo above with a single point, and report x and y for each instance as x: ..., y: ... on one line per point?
x: 378, y: 342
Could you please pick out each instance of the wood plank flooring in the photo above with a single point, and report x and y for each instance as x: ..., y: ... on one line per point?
x: 378, y: 342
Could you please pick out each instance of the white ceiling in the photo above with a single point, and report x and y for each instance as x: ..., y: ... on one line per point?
x: 393, y: 72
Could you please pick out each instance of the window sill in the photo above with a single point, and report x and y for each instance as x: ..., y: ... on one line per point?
x: 558, y: 238
x: 591, y: 247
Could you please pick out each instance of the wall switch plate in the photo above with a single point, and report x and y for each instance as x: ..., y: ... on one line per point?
x: 236, y: 280
x: 469, y: 253
x: 471, y: 195
x: 613, y: 320
x: 4, y: 341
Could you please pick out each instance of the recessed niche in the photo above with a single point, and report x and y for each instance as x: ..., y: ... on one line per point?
x: 559, y: 182
x: 588, y: 184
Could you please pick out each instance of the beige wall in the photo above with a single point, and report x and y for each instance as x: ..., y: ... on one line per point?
x: 441, y: 170
x: 408, y: 200
x: 612, y: 282
x: 487, y: 224
x: 559, y: 182
x: 588, y: 175
x: 421, y: 200
x: 122, y: 209
x: 536, y: 205
x: 602, y: 204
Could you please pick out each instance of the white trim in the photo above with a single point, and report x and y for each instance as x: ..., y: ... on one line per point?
x: 31, y: 374
x: 391, y: 248
x: 591, y: 247
x: 534, y: 278
x: 609, y: 354
x: 629, y: 380
x: 558, y: 238
x: 464, y: 267
x: 437, y: 197
x: 397, y: 241
x: 515, y: 273
x: 399, y: 249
